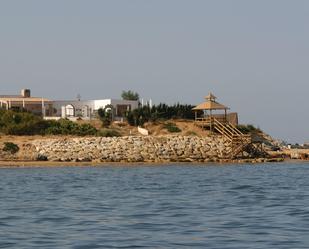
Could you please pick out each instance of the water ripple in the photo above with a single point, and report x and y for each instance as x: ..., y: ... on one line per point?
x: 230, y: 206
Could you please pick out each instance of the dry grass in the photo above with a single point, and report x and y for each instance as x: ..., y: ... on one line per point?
x: 187, y: 128
x: 155, y: 129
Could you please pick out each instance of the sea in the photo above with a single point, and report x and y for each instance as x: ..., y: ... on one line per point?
x: 260, y: 206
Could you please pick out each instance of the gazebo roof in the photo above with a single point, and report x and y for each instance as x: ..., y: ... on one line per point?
x: 211, y: 97
x: 210, y: 104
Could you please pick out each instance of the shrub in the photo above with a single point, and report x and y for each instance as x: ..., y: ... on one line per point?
x: 159, y: 112
x: 105, y: 115
x: 86, y: 129
x: 10, y: 147
x: 248, y: 129
x: 172, y: 127
x: 191, y: 133
x: 24, y: 123
x: 20, y: 123
x: 109, y: 133
x: 67, y: 127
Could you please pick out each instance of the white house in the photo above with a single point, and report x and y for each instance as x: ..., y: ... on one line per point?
x: 88, y: 108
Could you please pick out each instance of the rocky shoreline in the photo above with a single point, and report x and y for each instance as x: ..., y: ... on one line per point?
x: 133, y: 149
x: 128, y: 149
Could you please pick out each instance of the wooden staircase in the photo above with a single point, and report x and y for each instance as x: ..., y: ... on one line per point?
x: 239, y: 141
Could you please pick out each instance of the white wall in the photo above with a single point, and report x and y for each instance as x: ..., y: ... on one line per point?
x: 133, y: 103
x: 101, y: 103
x: 57, y: 104
x: 94, y: 105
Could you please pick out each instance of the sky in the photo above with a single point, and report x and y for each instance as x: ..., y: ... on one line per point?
x: 253, y: 55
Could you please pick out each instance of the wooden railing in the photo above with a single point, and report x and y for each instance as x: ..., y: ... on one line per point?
x: 238, y: 140
x: 208, y: 120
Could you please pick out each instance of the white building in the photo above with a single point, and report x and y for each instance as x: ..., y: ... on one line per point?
x: 88, y: 108
x: 24, y: 101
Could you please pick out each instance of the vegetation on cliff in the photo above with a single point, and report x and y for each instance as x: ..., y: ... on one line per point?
x: 171, y: 127
x: 159, y: 112
x: 10, y: 147
x: 246, y: 129
x: 24, y: 123
x: 159, y: 120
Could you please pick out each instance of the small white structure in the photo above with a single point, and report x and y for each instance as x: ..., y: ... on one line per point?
x: 86, y: 109
x: 142, y: 131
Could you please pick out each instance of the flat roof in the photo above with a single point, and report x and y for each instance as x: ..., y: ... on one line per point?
x: 11, y: 96
x: 22, y: 99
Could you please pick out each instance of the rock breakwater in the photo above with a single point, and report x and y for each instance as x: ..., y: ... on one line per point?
x: 133, y: 149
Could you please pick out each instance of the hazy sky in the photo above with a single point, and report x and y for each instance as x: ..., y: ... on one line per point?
x: 254, y: 55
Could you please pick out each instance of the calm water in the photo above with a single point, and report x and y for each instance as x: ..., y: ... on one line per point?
x: 232, y: 206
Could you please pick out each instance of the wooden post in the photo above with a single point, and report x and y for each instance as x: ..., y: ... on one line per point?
x: 211, y: 121
x: 225, y: 116
x: 43, y: 108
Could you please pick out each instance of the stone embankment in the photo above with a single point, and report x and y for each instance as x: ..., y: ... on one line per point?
x: 133, y: 149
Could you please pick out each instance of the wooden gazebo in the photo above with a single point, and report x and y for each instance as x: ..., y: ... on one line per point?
x: 209, y: 107
x: 220, y: 123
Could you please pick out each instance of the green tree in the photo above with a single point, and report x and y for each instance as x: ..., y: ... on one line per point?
x: 106, y: 115
x: 130, y: 95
